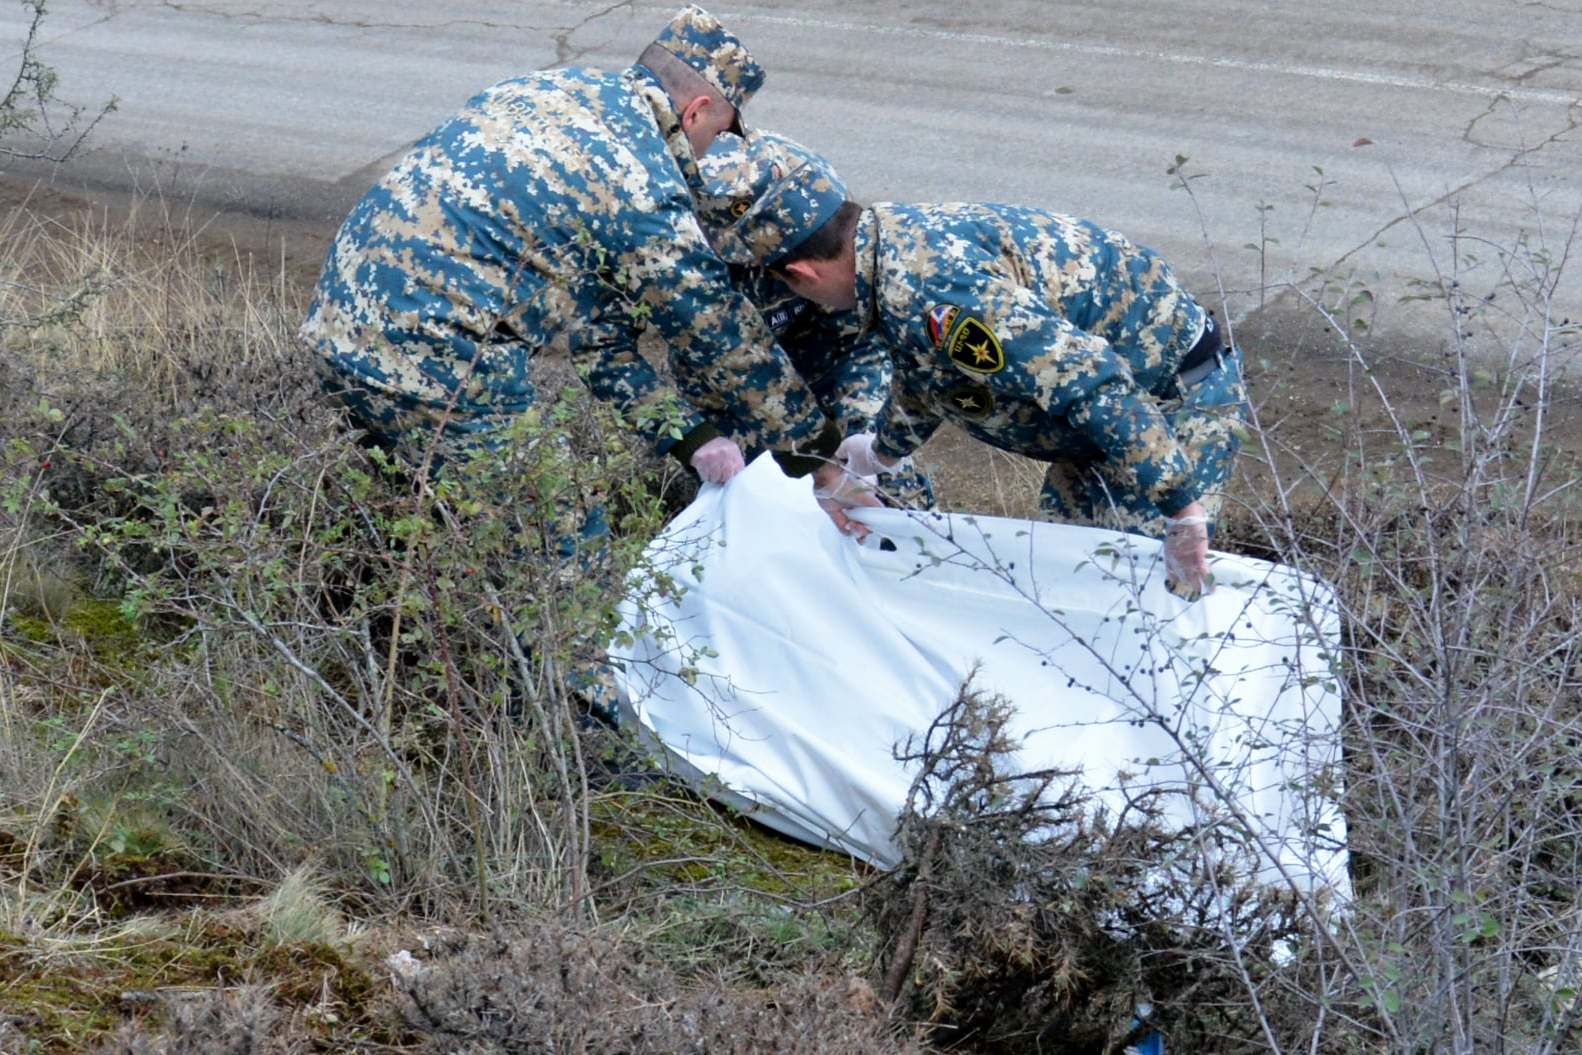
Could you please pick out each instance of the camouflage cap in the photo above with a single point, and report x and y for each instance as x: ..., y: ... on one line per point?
x: 785, y: 216
x: 738, y: 171
x: 698, y: 39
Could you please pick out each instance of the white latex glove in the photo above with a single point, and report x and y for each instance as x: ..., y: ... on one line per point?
x: 856, y: 453
x: 838, y: 491
x: 718, y: 460
x: 1186, y: 553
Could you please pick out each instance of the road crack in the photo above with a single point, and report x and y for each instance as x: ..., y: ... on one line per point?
x: 1573, y: 119
x: 320, y: 18
x: 565, y: 54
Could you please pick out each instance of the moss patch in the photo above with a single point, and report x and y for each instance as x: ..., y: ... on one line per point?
x: 91, y: 644
x: 671, y: 839
x: 713, y: 891
x: 32, y: 628
x: 103, y: 627
x: 67, y: 1002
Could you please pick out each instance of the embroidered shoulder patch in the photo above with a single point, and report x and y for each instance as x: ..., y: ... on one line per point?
x: 971, y: 345
x: 940, y: 319
x: 973, y: 402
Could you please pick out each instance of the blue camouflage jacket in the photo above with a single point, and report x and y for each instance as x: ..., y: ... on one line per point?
x: 552, y: 214
x: 846, y: 368
x: 1038, y: 333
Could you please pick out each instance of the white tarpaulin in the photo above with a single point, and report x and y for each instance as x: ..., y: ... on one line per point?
x: 783, y: 663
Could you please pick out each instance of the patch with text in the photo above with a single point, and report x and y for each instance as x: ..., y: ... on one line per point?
x: 973, y: 346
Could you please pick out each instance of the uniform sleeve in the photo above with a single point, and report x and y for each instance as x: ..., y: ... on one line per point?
x: 605, y: 356
x: 904, y: 423
x: 848, y: 370
x: 861, y: 383
x: 1076, y: 375
x: 723, y: 354
x: 1137, y: 442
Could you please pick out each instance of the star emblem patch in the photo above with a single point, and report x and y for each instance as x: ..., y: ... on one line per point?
x: 971, y: 345
x: 973, y: 402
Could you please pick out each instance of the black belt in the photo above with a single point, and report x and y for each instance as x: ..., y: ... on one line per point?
x: 1207, y: 348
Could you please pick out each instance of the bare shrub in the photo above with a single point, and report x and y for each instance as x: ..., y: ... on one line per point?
x: 1451, y: 538
x: 34, y: 123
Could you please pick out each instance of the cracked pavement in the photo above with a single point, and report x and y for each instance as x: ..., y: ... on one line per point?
x: 1412, y: 117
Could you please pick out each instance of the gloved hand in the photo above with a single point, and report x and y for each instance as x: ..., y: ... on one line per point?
x: 837, y: 491
x: 718, y: 460
x: 856, y: 453
x: 1186, y: 553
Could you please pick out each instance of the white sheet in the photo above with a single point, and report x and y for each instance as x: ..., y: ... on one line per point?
x: 786, y: 663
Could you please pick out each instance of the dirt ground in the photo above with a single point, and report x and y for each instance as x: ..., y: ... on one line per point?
x: 1308, y: 389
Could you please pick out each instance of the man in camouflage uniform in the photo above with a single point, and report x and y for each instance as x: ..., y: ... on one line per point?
x: 1038, y: 333
x: 553, y: 214
x: 846, y: 367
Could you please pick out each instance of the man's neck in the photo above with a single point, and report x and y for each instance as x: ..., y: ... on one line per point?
x: 669, y: 123
x: 865, y: 248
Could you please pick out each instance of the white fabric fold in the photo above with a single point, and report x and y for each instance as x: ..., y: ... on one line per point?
x: 779, y: 665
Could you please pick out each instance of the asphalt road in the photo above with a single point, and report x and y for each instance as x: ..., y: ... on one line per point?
x: 1349, y: 137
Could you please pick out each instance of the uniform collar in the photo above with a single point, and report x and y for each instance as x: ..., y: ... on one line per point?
x: 649, y: 89
x: 865, y: 247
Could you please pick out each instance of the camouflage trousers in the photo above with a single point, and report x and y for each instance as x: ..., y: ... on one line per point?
x: 1207, y: 420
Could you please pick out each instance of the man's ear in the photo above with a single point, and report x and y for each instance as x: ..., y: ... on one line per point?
x: 806, y: 270
x: 693, y: 112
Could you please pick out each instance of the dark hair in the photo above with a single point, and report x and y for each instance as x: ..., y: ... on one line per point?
x: 680, y: 81
x: 830, y: 240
